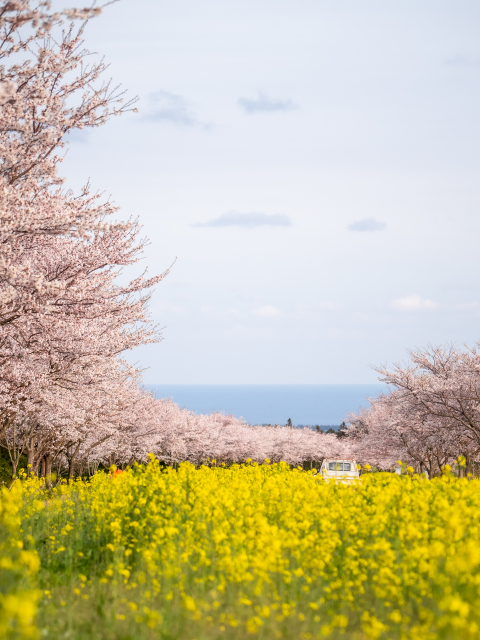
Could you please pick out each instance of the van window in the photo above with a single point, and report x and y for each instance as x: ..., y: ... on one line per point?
x: 339, y: 466
x: 335, y: 466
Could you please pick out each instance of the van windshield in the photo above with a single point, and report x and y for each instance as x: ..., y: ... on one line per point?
x: 339, y: 466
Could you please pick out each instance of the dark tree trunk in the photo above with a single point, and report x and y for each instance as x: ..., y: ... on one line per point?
x: 71, y: 469
x: 72, y: 463
x: 30, y: 460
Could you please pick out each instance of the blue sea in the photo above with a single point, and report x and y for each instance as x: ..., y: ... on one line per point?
x: 304, y: 404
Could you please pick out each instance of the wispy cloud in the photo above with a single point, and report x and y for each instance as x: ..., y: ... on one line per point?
x: 248, y: 220
x: 264, y: 103
x: 268, y: 312
x: 414, y: 302
x: 169, y: 107
x: 368, y: 224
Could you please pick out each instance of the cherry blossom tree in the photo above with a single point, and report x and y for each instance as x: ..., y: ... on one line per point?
x: 64, y: 318
x: 432, y: 415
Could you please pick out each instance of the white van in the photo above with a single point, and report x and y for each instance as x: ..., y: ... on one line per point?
x: 340, y: 470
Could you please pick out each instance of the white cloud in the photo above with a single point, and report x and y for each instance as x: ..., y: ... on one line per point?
x: 263, y: 104
x: 268, y: 312
x: 249, y: 220
x: 368, y: 224
x: 414, y: 303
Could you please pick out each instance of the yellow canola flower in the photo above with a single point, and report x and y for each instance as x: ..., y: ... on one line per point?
x: 259, y: 549
x: 18, y: 567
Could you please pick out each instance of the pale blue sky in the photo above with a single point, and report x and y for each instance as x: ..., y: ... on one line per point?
x: 315, y: 167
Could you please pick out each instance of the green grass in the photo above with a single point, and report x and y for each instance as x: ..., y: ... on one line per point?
x: 6, y: 466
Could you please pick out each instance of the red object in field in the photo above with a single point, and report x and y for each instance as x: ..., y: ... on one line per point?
x: 117, y: 473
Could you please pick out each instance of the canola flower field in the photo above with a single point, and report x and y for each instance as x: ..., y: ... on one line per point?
x: 261, y: 551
